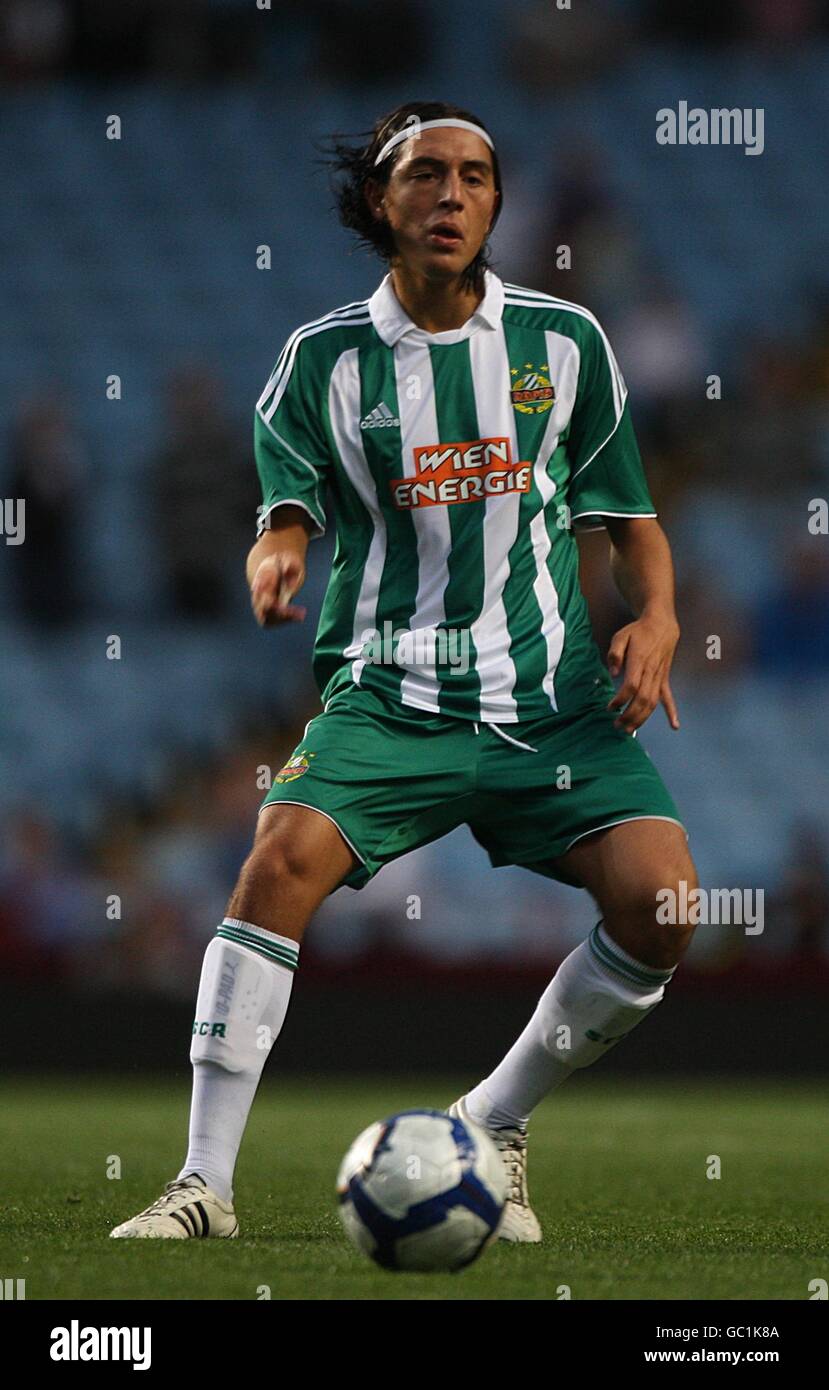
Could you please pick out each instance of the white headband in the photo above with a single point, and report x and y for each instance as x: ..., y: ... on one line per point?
x: 430, y: 125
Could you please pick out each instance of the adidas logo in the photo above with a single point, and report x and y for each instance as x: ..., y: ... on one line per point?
x: 379, y: 418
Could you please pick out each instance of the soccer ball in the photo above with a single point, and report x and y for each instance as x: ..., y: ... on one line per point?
x: 421, y: 1191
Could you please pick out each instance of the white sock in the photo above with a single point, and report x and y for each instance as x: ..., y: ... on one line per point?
x: 598, y: 995
x: 243, y: 998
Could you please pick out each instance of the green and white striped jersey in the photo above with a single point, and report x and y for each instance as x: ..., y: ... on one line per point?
x: 458, y: 464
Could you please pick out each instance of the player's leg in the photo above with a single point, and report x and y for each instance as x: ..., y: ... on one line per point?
x: 610, y: 826
x: 624, y: 868
x: 608, y: 984
x: 353, y: 817
x: 333, y: 814
x: 298, y: 858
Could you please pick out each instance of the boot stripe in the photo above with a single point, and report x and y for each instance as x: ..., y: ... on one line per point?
x: 205, y: 1224
x: 177, y: 1217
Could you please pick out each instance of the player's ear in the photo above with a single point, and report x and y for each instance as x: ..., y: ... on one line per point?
x: 373, y: 192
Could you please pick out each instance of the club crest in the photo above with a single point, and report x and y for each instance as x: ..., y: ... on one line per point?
x: 532, y: 392
x: 295, y: 767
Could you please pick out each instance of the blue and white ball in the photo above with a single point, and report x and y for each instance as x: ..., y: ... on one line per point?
x: 422, y: 1191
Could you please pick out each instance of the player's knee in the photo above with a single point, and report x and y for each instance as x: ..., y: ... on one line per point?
x: 672, y: 895
x: 670, y: 931
x: 651, y: 917
x: 667, y: 944
x: 664, y: 883
x: 278, y: 859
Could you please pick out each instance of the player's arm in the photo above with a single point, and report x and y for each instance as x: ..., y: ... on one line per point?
x: 293, y: 462
x: 608, y: 488
x: 642, y: 568
x: 276, y: 567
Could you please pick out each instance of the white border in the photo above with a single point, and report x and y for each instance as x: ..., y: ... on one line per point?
x: 261, y: 528
x: 624, y: 821
x: 576, y: 516
x: 283, y: 801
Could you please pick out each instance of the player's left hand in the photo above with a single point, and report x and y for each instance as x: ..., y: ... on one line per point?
x: 643, y: 652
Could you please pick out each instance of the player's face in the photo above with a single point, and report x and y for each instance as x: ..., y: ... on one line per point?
x: 440, y: 201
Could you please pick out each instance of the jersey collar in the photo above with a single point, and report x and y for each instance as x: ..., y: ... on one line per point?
x: 392, y: 322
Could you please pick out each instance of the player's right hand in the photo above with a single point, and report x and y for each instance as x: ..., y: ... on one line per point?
x: 276, y: 581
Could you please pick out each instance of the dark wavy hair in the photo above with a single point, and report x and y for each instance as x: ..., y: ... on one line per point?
x: 350, y: 166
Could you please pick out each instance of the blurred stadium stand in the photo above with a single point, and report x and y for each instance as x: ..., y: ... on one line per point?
x: 137, y: 257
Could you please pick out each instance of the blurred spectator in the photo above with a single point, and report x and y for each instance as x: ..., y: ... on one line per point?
x: 236, y: 795
x: 714, y: 640
x: 178, y: 39
x: 750, y: 21
x: 577, y: 210
x: 767, y: 21
x: 34, y: 37
x: 194, y: 39
x: 792, y: 621
x: 47, y: 904
x: 22, y: 955
x: 781, y: 420
x: 369, y: 42
x: 661, y: 353
x: 769, y: 412
x: 799, y: 909
x: 704, y: 613
x: 701, y: 21
x: 149, y: 942
x: 206, y: 495
x: 111, y: 40
x: 551, y: 49
x: 47, y: 470
x: 816, y: 372
x: 818, y: 353
x: 719, y: 540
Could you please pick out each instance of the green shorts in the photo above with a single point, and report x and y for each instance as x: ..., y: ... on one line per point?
x: 392, y: 779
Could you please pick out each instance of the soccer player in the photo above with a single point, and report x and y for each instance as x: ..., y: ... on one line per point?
x: 465, y: 426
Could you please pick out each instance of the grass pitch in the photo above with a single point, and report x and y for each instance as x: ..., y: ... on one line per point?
x: 618, y: 1177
